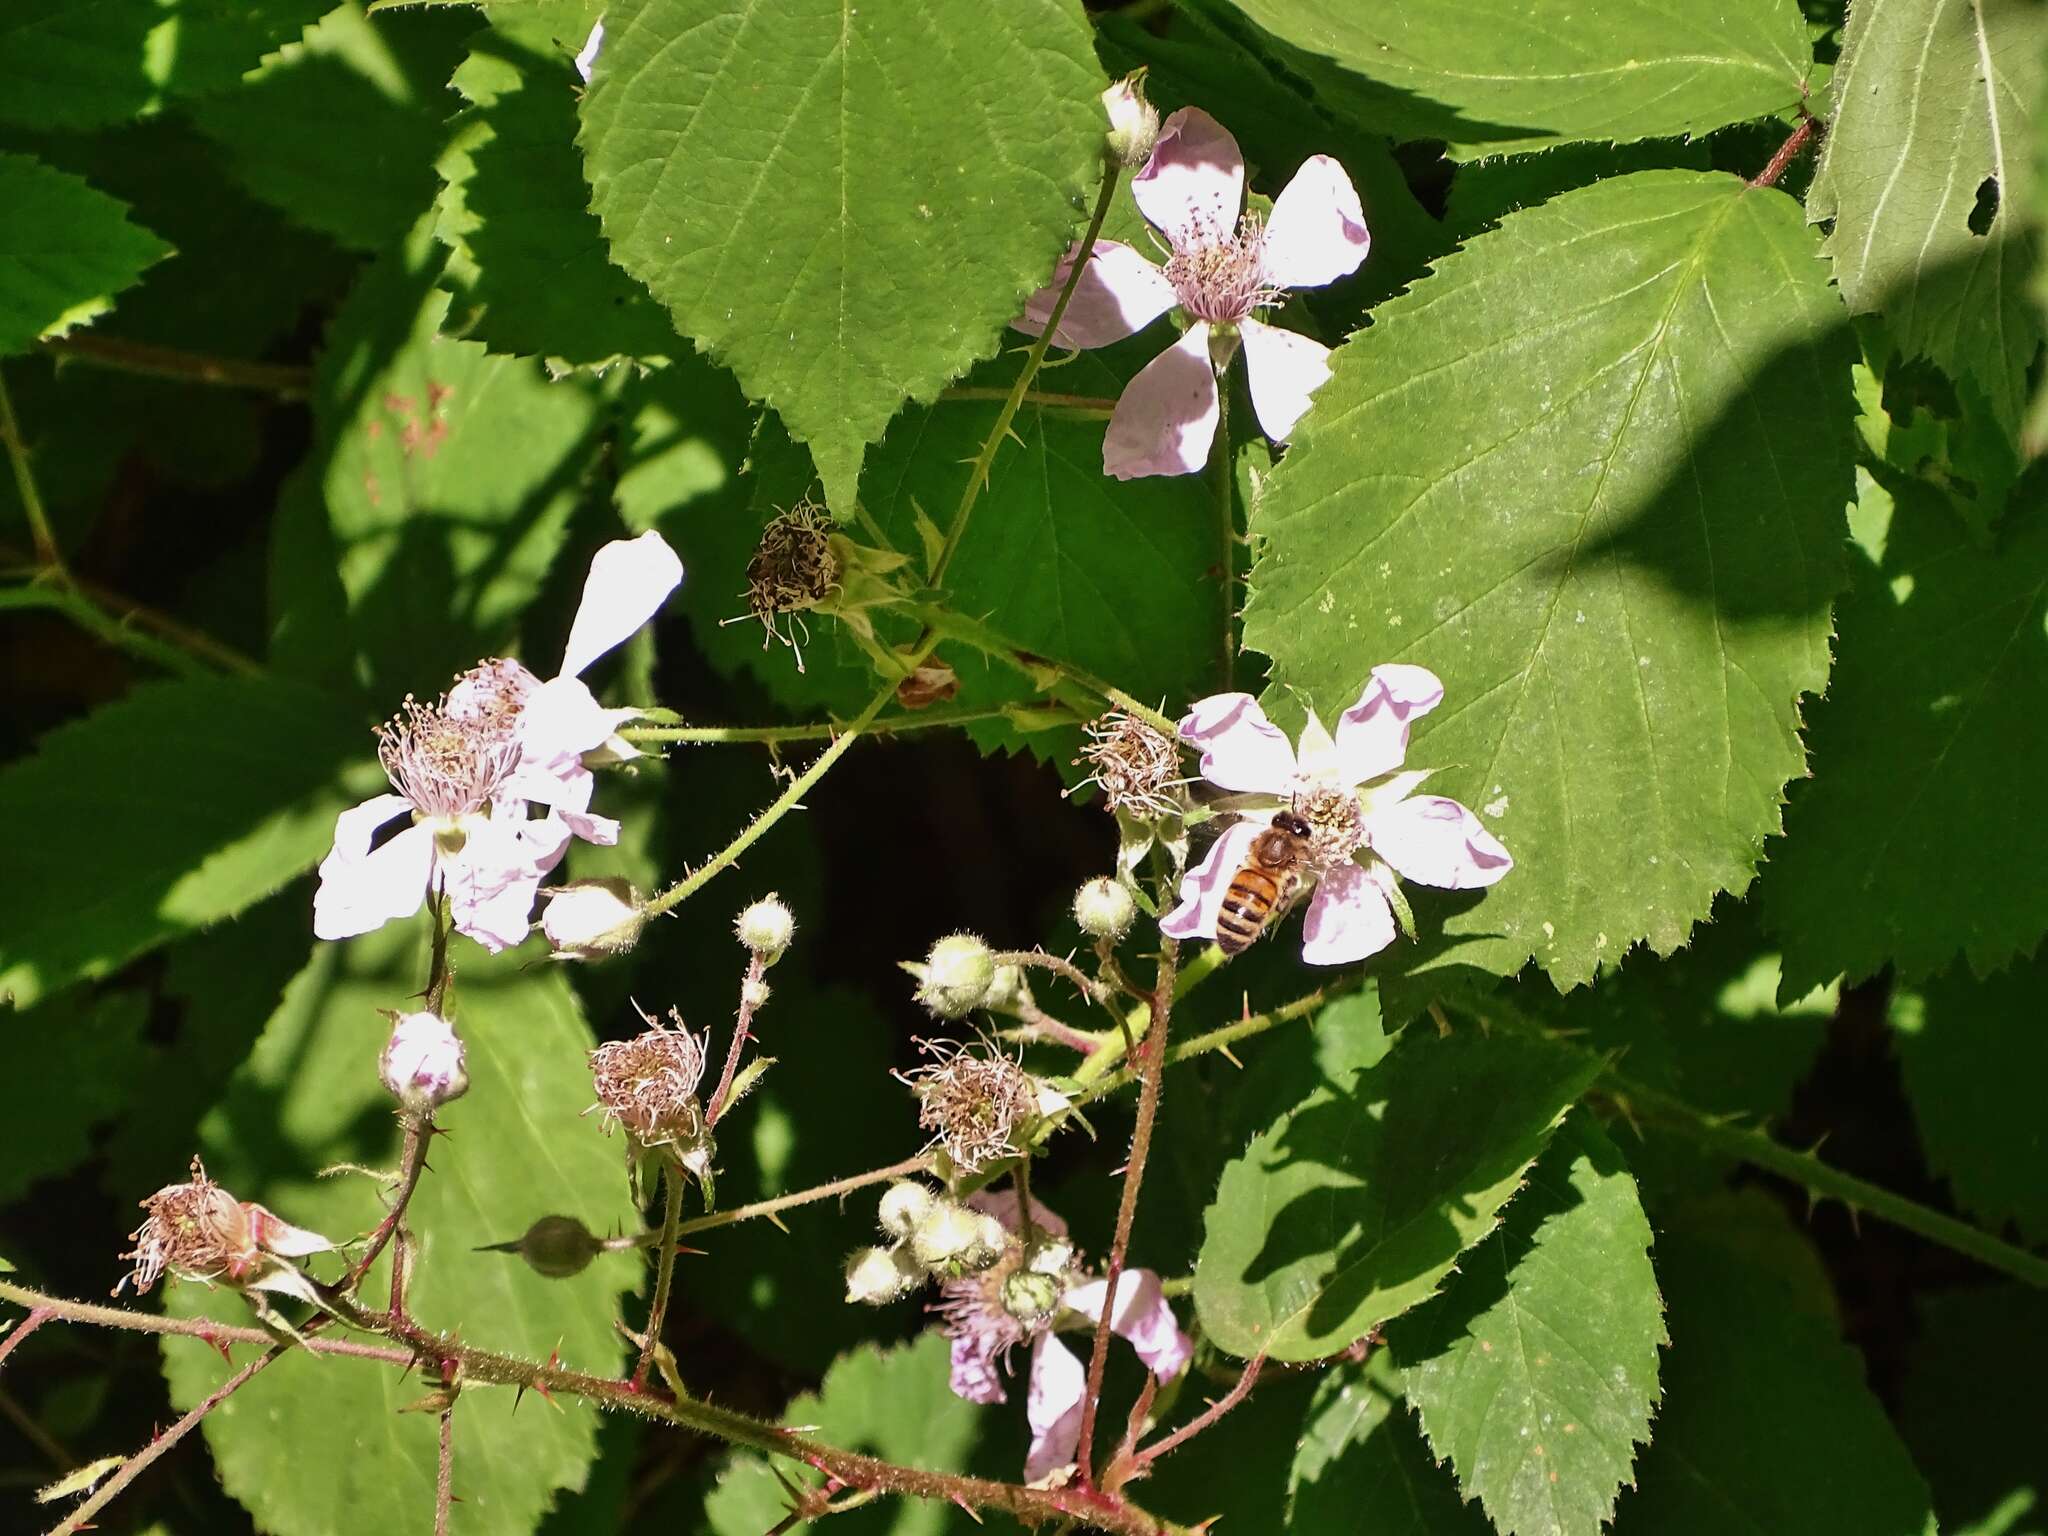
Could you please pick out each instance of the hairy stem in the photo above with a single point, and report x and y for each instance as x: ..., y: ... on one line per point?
x: 126, y: 625
x: 664, y: 1268
x: 749, y: 990
x: 1093, y: 990
x: 977, y: 475
x: 910, y: 1165
x: 1209, y: 1416
x: 419, y: 1133
x: 444, y: 1474
x: 36, y: 1318
x: 1787, y: 153
x: 1098, y: 406
x: 1149, y: 1092
x: 285, y: 381
x: 789, y: 799
x: 775, y: 735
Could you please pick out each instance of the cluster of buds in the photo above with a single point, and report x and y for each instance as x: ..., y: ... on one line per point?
x: 979, y: 1107
x: 648, y: 1087
x: 198, y: 1231
x: 930, y: 1237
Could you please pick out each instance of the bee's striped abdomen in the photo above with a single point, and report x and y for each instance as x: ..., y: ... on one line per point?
x: 1246, y: 906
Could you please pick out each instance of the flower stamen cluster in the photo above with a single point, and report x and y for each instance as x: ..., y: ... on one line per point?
x: 1219, y: 275
x: 1134, y: 764
x: 792, y: 571
x: 448, y: 765
x: 1336, y: 822
x: 648, y: 1084
x: 973, y: 1105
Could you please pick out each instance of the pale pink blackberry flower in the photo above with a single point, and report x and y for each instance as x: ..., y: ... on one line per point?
x: 198, y: 1231
x: 1366, y: 823
x: 1021, y: 1299
x: 1223, y: 267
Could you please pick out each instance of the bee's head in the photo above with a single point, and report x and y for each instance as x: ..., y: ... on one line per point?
x: 1287, y: 821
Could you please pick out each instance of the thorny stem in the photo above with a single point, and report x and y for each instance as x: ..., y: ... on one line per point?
x: 775, y: 735
x: 910, y: 1165
x: 1113, y: 1050
x: 1787, y: 152
x: 790, y: 798
x: 21, y: 1330
x: 481, y: 1367
x: 977, y: 475
x: 1088, y: 986
x: 204, y: 1329
x: 1226, y: 525
x: 81, y: 1517
x: 1036, y: 1024
x: 283, y: 380
x: 1209, y: 1416
x: 664, y: 1268
x: 419, y: 1133
x: 444, y: 1475
x: 1081, y: 405
x: 439, y: 976
x: 1154, y: 1068
x: 47, y: 554
x: 756, y: 968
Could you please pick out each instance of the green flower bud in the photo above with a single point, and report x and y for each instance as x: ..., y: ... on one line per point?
x: 904, y: 1204
x: 957, y: 976
x: 878, y: 1275
x: 766, y: 928
x: 1104, y: 908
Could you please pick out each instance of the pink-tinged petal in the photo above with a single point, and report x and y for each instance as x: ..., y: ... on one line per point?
x: 355, y: 827
x: 1002, y: 1204
x: 1193, y: 185
x: 1372, y: 735
x: 1241, y: 749
x: 1058, y: 1384
x: 1348, y: 917
x: 492, y: 684
x: 1203, y: 888
x: 1120, y: 293
x: 1436, y: 841
x: 492, y: 881
x: 1166, y: 419
x: 1285, y: 369
x: 275, y: 1235
x: 361, y: 895
x: 1142, y: 1318
x: 1317, y: 233
x: 629, y: 581
x: 974, y: 1375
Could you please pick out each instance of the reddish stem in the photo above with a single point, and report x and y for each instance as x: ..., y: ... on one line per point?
x: 418, y: 1133
x: 1215, y: 1411
x: 1787, y: 153
x: 749, y: 991
x: 21, y: 1330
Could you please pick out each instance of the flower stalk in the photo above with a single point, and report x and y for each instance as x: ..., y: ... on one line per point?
x: 664, y: 1269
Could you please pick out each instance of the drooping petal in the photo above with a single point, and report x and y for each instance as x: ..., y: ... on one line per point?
x: 1241, y: 749
x: 1002, y: 1204
x: 566, y: 790
x: 1317, y: 233
x: 1142, y: 1317
x: 1348, y: 917
x: 1120, y: 293
x: 1203, y: 888
x: 1193, y: 185
x: 974, y: 1375
x: 629, y: 581
x: 274, y: 1234
x: 1285, y: 369
x: 587, y: 59
x: 1372, y: 735
x: 362, y: 894
x: 1166, y: 419
x: 1059, y: 1382
x: 1436, y: 841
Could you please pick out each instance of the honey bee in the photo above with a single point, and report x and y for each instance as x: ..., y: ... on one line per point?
x: 1264, y: 884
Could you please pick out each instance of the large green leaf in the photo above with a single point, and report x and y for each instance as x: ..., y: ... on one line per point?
x: 386, y: 80
x: 75, y: 1061
x: 160, y: 814
x: 527, y: 257
x: 88, y: 63
x: 1901, y: 848
x: 844, y: 203
x: 1974, y: 1053
x: 1359, y: 1451
x: 65, y: 251
x: 1535, y: 1372
x: 1494, y: 75
x: 1353, y: 1206
x: 1925, y: 171
x: 1592, y: 472
x: 317, y: 1447
x: 1766, y: 1423
x: 893, y: 1403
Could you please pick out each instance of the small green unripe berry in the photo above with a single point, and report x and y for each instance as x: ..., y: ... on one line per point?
x: 1031, y: 1297
x: 766, y: 928
x: 559, y: 1247
x: 957, y: 976
x: 1104, y: 908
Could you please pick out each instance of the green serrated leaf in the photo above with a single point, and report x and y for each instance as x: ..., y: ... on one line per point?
x: 65, y: 251
x: 847, y: 204
x: 1925, y: 171
x: 1535, y: 1373
x: 1612, y: 532
x: 527, y: 258
x: 1766, y: 1423
x: 1968, y: 1409
x: 386, y: 80
x: 1360, y: 1451
x: 1498, y: 76
x: 518, y: 1149
x: 241, y: 792
x: 894, y: 1403
x: 1353, y: 1206
x: 76, y: 1060
x: 1972, y: 1052
x: 1900, y: 849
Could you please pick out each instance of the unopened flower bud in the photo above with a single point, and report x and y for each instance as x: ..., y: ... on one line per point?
x: 957, y: 976
x: 422, y: 1064
x: 754, y: 993
x: 1104, y: 908
x: 878, y: 1275
x: 904, y: 1204
x: 766, y: 928
x: 555, y: 1246
x: 1133, y: 121
x: 591, y: 919
x: 953, y: 1240
x: 1007, y: 989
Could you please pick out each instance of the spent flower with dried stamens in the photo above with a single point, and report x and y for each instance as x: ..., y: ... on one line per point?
x: 198, y: 1231
x: 1134, y: 764
x: 978, y: 1107
x: 648, y: 1085
x: 793, y: 570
